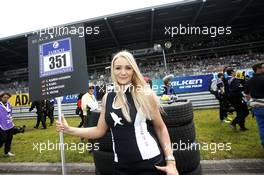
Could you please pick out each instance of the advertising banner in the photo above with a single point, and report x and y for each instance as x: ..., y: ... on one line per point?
x: 19, y: 100
x: 190, y: 84
x: 186, y: 84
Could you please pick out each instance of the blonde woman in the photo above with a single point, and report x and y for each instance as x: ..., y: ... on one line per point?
x: 128, y: 112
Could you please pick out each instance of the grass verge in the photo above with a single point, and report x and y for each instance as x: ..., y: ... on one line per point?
x: 210, y: 133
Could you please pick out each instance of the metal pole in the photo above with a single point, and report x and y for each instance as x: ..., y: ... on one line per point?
x: 165, y: 63
x: 59, y: 99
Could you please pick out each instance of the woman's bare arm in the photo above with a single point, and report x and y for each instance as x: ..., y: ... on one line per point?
x: 162, y: 134
x: 164, y: 140
x: 89, y: 133
x: 160, y: 127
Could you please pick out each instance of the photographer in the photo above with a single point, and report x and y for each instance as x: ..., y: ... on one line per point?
x: 6, y: 124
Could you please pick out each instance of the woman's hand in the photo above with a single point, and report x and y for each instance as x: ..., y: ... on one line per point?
x: 62, y: 127
x: 169, y: 169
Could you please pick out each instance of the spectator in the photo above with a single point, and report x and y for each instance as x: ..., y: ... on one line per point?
x: 49, y: 110
x: 168, y: 89
x: 254, y: 89
x: 89, y: 103
x: 39, y: 105
x: 234, y: 93
x: 79, y: 110
x: 221, y: 96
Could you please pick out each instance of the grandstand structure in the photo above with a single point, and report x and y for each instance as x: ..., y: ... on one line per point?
x: 139, y: 30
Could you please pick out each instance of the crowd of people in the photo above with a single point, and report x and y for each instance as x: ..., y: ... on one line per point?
x: 192, y: 65
x: 15, y: 87
x: 188, y: 66
x: 241, y: 95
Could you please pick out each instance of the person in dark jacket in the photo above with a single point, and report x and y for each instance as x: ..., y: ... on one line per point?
x: 221, y: 96
x: 254, y: 89
x: 79, y: 110
x: 39, y: 105
x: 49, y: 110
x: 235, y: 96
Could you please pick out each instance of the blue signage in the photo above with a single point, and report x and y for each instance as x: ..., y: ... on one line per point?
x: 55, y: 57
x: 192, y: 83
x: 186, y: 84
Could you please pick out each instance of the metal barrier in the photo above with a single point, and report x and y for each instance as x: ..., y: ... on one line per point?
x: 199, y: 100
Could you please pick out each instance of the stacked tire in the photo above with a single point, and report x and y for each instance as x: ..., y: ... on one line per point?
x: 178, y: 117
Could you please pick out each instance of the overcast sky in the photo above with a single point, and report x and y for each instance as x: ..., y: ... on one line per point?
x: 18, y: 16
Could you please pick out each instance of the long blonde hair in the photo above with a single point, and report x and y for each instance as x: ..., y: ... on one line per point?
x: 143, y: 98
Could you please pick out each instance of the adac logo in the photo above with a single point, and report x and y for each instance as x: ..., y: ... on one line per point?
x: 20, y: 100
x: 55, y: 45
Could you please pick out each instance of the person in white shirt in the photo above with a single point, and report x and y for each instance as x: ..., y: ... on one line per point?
x: 88, y: 104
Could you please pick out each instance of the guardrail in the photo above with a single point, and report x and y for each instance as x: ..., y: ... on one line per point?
x: 199, y: 100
